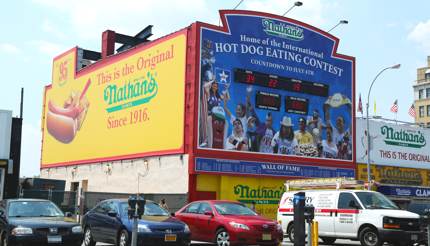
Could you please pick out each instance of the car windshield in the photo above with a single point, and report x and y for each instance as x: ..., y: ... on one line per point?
x: 151, y: 209
x: 375, y: 200
x: 233, y: 209
x: 34, y: 209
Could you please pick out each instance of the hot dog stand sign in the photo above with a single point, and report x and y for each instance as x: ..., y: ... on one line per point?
x: 117, y: 108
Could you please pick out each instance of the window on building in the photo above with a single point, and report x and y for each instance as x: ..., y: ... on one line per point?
x: 427, y: 92
x: 421, y: 94
x: 428, y: 110
x: 428, y: 124
x: 427, y: 76
x: 421, y: 111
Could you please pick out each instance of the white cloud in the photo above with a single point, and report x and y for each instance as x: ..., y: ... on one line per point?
x: 89, y: 19
x: 30, y: 150
x: 421, y: 35
x: 49, y: 27
x: 48, y: 48
x: 9, y: 48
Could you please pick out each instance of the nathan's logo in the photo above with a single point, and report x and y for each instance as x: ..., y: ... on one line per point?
x: 261, y: 195
x: 403, y: 137
x: 282, y: 30
x: 130, y: 94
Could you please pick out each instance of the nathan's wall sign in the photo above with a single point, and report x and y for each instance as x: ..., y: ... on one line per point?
x: 129, y: 106
x: 269, y: 85
x: 395, y: 175
x: 394, y: 144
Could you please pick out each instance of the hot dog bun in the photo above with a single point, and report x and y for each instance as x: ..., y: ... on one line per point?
x: 61, y: 127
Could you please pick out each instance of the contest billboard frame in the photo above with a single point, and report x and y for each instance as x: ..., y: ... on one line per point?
x: 99, y: 65
x: 246, y: 156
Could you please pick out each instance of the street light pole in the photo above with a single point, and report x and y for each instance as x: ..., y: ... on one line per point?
x: 298, y: 4
x: 369, y: 175
x: 340, y: 22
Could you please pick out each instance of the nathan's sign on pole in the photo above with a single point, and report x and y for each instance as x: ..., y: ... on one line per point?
x: 394, y: 144
x: 127, y: 106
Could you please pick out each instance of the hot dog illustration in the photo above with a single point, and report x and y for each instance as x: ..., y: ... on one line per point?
x: 63, y: 122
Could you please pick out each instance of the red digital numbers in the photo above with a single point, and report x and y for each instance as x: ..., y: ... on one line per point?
x: 273, y: 83
x: 269, y: 101
x: 250, y: 78
x: 298, y: 105
x: 297, y: 87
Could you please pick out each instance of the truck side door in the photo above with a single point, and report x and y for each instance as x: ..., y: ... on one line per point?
x: 345, y: 222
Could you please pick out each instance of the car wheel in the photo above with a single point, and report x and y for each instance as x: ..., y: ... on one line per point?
x: 123, y: 239
x: 222, y: 238
x: 328, y: 240
x: 290, y: 232
x: 369, y: 237
x: 88, y: 237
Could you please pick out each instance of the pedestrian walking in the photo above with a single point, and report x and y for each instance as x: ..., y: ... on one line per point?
x: 163, y: 204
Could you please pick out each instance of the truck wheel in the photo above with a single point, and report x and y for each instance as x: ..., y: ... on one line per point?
x: 328, y: 240
x: 290, y: 232
x: 369, y: 237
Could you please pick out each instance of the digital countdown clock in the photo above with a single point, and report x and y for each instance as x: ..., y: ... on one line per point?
x: 278, y: 82
x: 296, y: 105
x: 264, y: 100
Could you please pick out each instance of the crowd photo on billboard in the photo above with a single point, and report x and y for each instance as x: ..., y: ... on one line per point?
x: 237, y: 114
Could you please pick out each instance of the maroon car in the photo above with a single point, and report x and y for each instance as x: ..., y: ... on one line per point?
x: 229, y: 223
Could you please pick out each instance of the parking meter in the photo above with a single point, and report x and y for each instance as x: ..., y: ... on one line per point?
x: 309, y: 213
x: 134, y: 200
x: 136, y: 208
x: 299, y: 219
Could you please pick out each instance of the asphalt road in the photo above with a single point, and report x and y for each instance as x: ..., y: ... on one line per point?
x: 285, y: 243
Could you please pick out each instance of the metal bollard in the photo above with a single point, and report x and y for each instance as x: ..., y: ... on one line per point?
x: 309, y: 234
x: 314, y: 233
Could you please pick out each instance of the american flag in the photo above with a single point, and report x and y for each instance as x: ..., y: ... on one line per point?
x: 412, y: 111
x: 360, y: 105
x: 395, y: 107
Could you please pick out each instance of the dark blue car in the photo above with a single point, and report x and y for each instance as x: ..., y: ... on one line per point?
x: 108, y: 222
x: 36, y: 222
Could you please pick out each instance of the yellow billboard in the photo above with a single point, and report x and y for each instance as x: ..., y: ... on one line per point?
x: 395, y: 175
x: 126, y: 106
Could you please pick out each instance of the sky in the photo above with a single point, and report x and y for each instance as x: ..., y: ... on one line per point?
x: 379, y: 34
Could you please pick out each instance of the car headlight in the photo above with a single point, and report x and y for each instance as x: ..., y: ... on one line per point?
x: 239, y: 225
x: 186, y: 229
x: 77, y: 229
x: 390, y: 223
x: 143, y: 228
x: 22, y: 231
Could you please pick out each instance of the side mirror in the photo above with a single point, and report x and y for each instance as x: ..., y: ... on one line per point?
x: 68, y: 214
x: 209, y: 213
x: 112, y: 213
x: 353, y: 204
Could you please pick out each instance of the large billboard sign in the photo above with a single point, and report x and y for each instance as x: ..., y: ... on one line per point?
x: 5, y: 133
x: 272, y: 85
x: 127, y: 106
x: 394, y: 144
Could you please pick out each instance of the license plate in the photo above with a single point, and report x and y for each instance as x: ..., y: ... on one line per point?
x: 54, y: 239
x: 170, y: 238
x: 414, y: 237
x: 267, y: 237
